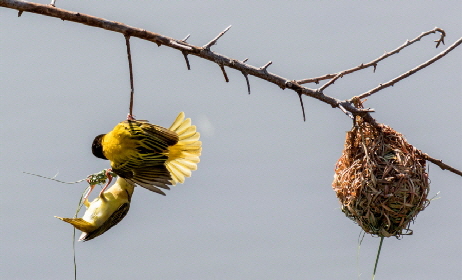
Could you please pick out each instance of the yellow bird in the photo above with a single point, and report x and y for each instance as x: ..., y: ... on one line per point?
x: 105, y: 211
x: 150, y: 155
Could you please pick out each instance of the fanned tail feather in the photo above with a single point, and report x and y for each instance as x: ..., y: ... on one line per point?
x: 184, y: 155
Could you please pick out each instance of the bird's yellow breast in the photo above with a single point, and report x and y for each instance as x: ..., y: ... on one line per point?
x: 100, y: 209
x: 118, y: 145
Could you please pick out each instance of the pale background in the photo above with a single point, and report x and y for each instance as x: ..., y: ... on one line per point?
x: 261, y: 205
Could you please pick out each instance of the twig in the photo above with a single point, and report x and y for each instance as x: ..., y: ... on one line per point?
x: 410, y: 72
x: 53, y: 178
x: 214, y: 41
x: 376, y: 61
x: 339, y: 75
x: 317, y: 79
x: 442, y: 165
x: 132, y: 89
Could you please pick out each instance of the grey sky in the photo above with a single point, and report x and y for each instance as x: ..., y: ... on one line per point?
x: 261, y: 205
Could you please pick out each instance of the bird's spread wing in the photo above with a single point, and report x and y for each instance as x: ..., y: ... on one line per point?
x: 151, y: 177
x: 151, y: 138
x: 113, y: 220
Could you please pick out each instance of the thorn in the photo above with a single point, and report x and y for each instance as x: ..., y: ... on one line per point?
x: 375, y: 67
x: 303, y: 107
x: 185, y: 54
x: 247, y: 80
x: 186, y: 38
x: 245, y: 60
x: 20, y: 13
x: 264, y: 67
x: 222, y: 67
x: 214, y: 41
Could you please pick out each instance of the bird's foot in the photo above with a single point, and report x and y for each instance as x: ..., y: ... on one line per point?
x: 109, y: 180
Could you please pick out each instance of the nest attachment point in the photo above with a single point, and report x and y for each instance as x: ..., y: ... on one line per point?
x: 381, y: 180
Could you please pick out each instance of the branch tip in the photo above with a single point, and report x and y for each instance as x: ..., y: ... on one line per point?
x: 412, y: 71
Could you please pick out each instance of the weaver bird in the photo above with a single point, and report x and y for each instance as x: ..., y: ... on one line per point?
x: 105, y: 211
x: 150, y: 155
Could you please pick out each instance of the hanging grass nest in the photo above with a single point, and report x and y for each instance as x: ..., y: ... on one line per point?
x: 380, y: 180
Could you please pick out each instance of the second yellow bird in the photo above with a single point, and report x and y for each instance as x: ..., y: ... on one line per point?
x: 105, y: 211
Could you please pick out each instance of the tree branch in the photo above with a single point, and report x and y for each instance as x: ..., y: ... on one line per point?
x: 412, y: 71
x: 204, y: 52
x: 375, y: 61
x: 442, y: 165
x: 187, y: 49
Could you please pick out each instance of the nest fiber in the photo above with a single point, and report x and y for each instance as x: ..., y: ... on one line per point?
x: 381, y: 180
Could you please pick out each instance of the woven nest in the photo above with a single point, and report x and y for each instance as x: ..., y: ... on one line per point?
x: 381, y: 180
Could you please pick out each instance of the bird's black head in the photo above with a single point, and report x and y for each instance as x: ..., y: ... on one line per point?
x: 97, y: 147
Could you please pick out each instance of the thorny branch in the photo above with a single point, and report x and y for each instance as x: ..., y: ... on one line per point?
x: 375, y: 61
x: 412, y: 71
x: 204, y: 52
